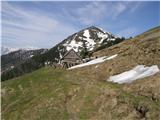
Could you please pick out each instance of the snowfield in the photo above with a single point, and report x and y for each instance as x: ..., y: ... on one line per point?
x: 95, y: 61
x: 140, y: 71
x: 91, y: 37
x: 90, y: 42
x: 102, y: 36
x: 73, y: 45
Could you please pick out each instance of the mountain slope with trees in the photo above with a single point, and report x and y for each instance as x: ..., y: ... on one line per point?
x: 85, y: 93
x: 85, y: 42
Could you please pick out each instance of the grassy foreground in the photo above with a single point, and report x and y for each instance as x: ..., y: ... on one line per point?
x: 56, y: 94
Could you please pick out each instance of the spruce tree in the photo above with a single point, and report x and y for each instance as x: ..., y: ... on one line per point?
x: 84, y: 51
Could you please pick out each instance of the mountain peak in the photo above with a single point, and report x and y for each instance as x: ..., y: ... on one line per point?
x: 95, y: 28
x: 93, y: 36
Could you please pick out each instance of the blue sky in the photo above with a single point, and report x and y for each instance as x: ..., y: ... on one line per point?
x: 44, y: 24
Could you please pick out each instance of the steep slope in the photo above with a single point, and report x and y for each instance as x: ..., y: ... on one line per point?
x: 84, y: 93
x: 92, y: 36
x: 89, y: 39
x: 141, y: 50
x: 12, y: 59
x: 62, y: 95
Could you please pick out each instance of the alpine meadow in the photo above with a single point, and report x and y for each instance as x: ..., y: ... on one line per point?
x: 80, y: 60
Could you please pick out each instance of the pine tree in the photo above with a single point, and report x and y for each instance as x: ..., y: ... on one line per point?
x: 84, y: 51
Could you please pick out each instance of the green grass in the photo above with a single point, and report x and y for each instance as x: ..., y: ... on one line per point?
x: 57, y: 94
x: 30, y: 90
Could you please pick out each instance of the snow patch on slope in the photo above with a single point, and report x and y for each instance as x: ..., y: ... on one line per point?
x: 73, y: 45
x: 95, y: 61
x: 102, y: 36
x: 137, y: 72
x: 90, y: 42
x: 112, y: 39
x: 31, y: 56
x: 91, y: 37
x: 111, y: 57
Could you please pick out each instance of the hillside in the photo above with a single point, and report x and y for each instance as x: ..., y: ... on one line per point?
x: 57, y: 94
x: 6, y: 50
x: 84, y: 93
x: 15, y: 58
x: 89, y: 39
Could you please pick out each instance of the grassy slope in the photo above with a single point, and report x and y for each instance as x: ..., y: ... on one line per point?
x: 49, y: 94
x: 84, y: 93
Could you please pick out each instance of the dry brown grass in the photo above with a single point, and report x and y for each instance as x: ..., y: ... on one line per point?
x: 84, y: 93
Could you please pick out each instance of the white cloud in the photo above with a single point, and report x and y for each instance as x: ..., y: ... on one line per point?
x: 22, y: 27
x: 33, y: 28
x: 118, y: 9
x: 96, y: 11
x: 127, y: 6
x: 91, y: 12
x: 135, y: 7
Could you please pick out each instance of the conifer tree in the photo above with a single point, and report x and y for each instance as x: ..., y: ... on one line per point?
x: 84, y: 51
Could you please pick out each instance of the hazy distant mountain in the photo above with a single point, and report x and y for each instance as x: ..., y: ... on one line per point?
x: 6, y: 50
x: 14, y: 58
